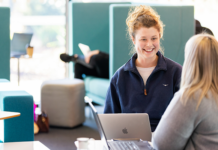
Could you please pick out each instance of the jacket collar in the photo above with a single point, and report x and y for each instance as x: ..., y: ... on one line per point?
x: 161, y: 64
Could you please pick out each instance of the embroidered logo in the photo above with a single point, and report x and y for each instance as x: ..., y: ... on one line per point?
x: 165, y: 84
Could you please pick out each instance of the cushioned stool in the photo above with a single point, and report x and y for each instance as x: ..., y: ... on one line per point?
x: 63, y: 101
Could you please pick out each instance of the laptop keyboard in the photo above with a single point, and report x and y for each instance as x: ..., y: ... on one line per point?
x: 123, y: 145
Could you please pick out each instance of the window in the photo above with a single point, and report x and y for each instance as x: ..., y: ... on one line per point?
x: 46, y: 20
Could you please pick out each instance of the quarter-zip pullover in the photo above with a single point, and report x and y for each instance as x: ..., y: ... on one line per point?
x: 127, y: 93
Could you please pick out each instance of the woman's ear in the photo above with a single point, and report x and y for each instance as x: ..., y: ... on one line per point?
x: 133, y: 40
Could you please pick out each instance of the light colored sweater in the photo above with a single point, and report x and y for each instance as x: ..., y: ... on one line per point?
x: 185, y: 128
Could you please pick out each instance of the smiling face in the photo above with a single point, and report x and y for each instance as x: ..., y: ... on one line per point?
x: 147, y: 43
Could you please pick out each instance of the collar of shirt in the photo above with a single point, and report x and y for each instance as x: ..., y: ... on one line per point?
x: 161, y: 64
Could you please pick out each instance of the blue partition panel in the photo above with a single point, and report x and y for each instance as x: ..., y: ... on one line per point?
x: 89, y: 25
x: 5, y: 43
x: 179, y: 27
x: 19, y: 128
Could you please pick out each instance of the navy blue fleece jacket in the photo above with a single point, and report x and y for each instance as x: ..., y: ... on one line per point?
x: 126, y: 93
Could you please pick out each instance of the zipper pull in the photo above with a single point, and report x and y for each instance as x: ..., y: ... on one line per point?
x: 145, y: 92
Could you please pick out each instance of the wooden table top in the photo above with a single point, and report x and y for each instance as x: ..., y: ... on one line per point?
x: 8, y: 114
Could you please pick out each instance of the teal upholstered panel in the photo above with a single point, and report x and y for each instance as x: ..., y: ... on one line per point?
x: 19, y: 128
x: 188, y: 29
x: 96, y: 86
x: 179, y: 21
x: 5, y: 43
x: 96, y: 99
x: 90, y: 26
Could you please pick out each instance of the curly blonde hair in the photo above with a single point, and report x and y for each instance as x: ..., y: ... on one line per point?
x: 143, y: 16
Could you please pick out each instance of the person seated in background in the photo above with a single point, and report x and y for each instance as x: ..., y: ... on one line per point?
x: 148, y: 81
x: 95, y: 63
x: 200, y: 29
x: 190, y: 121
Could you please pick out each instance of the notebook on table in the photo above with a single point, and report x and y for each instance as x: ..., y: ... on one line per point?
x: 118, y: 145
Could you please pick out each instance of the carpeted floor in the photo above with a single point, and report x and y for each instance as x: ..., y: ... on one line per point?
x: 63, y: 139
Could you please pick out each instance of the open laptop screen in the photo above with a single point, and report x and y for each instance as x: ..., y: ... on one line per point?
x: 19, y: 42
x: 100, y: 129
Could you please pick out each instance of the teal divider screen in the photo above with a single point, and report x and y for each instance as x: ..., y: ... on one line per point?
x: 89, y: 24
x: 5, y: 43
x: 20, y: 128
x: 179, y: 27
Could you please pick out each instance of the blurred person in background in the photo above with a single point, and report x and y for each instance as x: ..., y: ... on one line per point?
x: 94, y: 63
x: 199, y: 29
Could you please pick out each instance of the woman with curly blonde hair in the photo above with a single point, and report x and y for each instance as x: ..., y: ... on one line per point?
x: 148, y: 81
x: 190, y: 120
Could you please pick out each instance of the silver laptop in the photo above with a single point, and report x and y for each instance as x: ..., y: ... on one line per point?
x: 118, y: 145
x: 121, y: 126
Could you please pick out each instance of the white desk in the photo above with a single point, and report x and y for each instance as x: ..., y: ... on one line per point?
x: 7, y: 115
x: 34, y: 145
x: 96, y: 145
x: 8, y: 86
